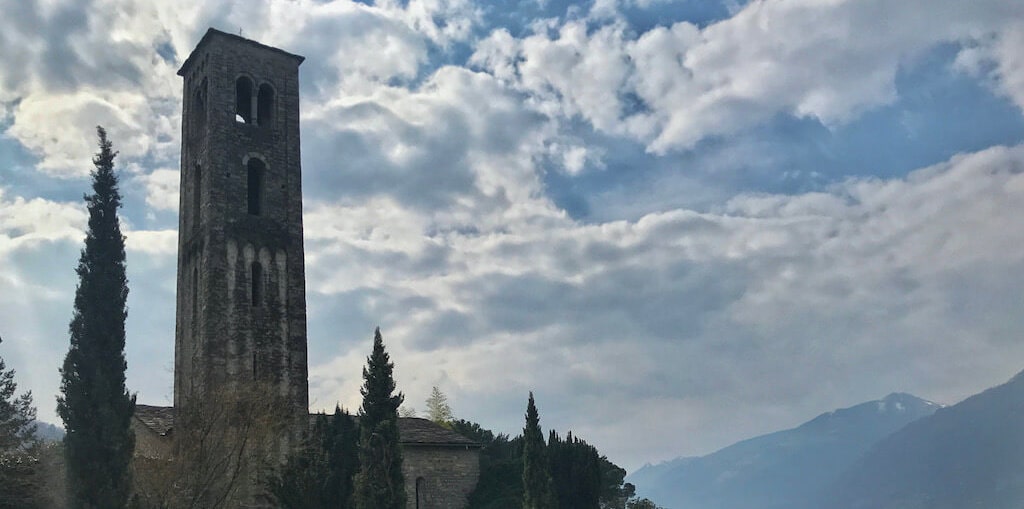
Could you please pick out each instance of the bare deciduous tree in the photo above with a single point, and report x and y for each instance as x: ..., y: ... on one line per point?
x: 223, y: 446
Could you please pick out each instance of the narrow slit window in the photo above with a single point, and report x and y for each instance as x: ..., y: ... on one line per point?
x: 421, y: 493
x: 243, y: 100
x: 256, y: 293
x: 197, y: 197
x: 195, y: 295
x: 199, y: 110
x: 265, y: 105
x: 254, y: 186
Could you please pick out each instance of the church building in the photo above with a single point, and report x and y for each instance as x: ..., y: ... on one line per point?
x: 240, y: 336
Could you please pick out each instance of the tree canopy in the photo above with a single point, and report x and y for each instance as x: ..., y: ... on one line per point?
x: 538, y: 488
x: 19, y: 462
x: 93, y: 402
x: 379, y: 483
x: 320, y: 474
x: 438, y: 409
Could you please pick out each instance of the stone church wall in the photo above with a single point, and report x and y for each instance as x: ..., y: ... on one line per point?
x: 148, y: 443
x: 439, y: 477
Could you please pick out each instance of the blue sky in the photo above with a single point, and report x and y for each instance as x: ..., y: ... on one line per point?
x: 679, y: 223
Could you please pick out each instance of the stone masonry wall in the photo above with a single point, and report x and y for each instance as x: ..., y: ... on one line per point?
x: 446, y: 475
x: 228, y: 340
x: 149, y: 444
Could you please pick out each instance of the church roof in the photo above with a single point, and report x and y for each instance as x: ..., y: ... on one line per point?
x: 212, y: 33
x: 416, y: 431
x: 160, y: 419
x: 412, y: 431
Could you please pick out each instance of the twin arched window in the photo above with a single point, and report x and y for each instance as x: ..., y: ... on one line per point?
x: 253, y: 105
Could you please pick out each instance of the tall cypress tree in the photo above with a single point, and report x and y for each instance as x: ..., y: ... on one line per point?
x: 538, y: 488
x: 342, y: 457
x: 94, y: 403
x: 576, y: 471
x: 379, y: 483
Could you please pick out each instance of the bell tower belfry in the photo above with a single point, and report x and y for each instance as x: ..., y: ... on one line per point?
x: 241, y: 298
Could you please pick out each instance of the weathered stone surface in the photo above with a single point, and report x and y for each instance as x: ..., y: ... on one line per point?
x: 439, y: 476
x: 241, y: 315
x: 440, y: 466
x: 241, y: 300
x: 152, y: 426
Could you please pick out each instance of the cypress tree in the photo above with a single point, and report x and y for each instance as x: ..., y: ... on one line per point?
x: 575, y: 471
x: 94, y: 403
x: 342, y: 457
x: 538, y: 488
x: 320, y: 475
x: 379, y: 483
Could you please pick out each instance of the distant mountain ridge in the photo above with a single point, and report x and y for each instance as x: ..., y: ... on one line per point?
x: 788, y: 469
x: 969, y: 455
x: 49, y: 432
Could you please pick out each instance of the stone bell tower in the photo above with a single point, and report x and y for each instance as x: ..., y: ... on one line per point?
x: 241, y: 298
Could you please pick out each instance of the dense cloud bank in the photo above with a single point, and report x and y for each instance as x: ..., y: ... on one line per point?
x: 437, y: 138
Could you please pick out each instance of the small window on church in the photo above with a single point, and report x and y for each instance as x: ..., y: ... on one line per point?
x: 265, y: 105
x: 256, y: 292
x: 421, y: 493
x: 243, y: 100
x: 195, y: 294
x: 199, y: 110
x: 197, y: 197
x: 254, y: 186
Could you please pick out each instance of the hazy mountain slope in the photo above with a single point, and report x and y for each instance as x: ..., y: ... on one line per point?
x: 970, y: 455
x: 788, y: 469
x: 48, y: 432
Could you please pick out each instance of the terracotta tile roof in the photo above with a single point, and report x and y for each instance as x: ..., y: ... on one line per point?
x: 412, y: 430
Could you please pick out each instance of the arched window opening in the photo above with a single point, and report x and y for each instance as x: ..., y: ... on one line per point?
x: 199, y: 110
x: 265, y: 105
x: 243, y: 100
x: 197, y: 196
x: 421, y: 493
x: 254, y: 186
x: 256, y: 292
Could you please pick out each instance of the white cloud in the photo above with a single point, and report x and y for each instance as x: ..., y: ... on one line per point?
x: 427, y: 211
x: 61, y: 128
x: 149, y: 242
x: 162, y: 189
x: 829, y: 61
x: 806, y: 293
x: 92, y: 74
x: 31, y: 221
x: 68, y: 71
x: 443, y: 21
x: 997, y: 58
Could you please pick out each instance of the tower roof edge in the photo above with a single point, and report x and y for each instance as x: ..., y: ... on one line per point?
x: 213, y: 33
